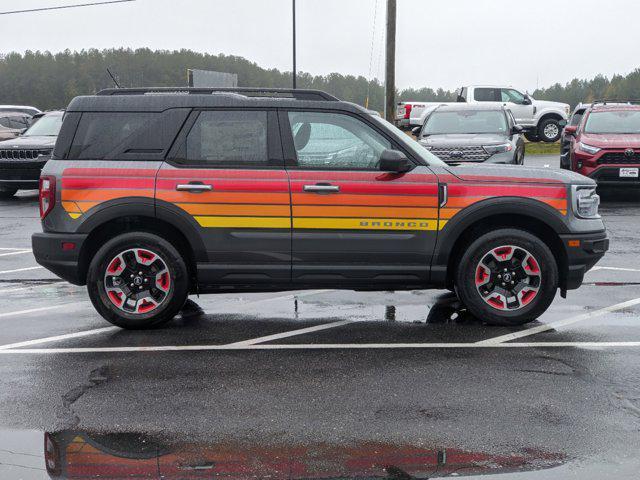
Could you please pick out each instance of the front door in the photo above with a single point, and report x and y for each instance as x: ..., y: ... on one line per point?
x: 226, y: 179
x: 516, y: 102
x: 352, y: 223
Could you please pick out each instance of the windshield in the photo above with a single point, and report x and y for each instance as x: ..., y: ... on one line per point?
x: 622, y: 121
x: 415, y: 147
x: 465, y: 121
x: 47, y: 126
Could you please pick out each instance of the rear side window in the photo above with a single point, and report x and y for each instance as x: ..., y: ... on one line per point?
x: 487, y: 95
x: 227, y: 138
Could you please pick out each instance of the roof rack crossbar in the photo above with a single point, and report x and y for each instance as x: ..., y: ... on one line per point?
x: 605, y: 101
x: 296, y: 94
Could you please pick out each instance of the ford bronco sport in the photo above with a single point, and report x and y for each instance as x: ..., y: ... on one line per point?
x: 154, y: 194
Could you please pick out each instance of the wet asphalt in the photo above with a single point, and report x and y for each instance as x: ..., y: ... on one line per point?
x: 571, y: 410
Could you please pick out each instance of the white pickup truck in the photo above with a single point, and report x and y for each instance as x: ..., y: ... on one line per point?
x: 542, y: 120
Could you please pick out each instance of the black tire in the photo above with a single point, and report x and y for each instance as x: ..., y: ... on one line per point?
x: 478, y: 250
x: 532, y: 136
x: 171, y: 302
x: 7, y: 192
x: 549, y: 130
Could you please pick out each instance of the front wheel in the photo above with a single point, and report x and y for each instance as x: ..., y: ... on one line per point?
x: 507, y: 277
x: 549, y: 130
x: 138, y: 280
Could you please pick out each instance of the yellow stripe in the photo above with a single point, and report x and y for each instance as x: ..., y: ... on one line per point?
x: 244, y: 222
x: 366, y: 224
x: 75, y: 215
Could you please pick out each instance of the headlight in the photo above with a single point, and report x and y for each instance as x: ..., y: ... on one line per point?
x: 491, y: 149
x: 585, y: 201
x: 588, y: 148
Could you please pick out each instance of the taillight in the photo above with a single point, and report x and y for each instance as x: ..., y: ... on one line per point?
x: 47, y: 195
x: 407, y: 110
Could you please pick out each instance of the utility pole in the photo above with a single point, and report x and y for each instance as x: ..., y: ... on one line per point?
x: 390, y: 69
x: 295, y: 74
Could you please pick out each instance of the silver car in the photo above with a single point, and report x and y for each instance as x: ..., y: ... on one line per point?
x: 472, y: 133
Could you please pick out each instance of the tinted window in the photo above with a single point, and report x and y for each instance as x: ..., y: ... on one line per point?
x: 104, y: 135
x: 49, y: 126
x: 487, y: 94
x: 465, y: 121
x: 576, y: 118
x: 335, y: 141
x: 623, y: 121
x: 227, y: 138
x: 5, y: 122
x: 18, y: 123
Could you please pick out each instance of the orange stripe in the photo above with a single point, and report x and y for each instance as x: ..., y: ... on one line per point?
x: 365, y: 200
x: 224, y: 197
x: 104, y: 195
x: 355, y: 212
x: 236, y: 210
x: 71, y: 207
x: 447, y: 213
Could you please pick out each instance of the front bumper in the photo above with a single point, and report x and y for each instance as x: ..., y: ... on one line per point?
x: 21, y: 174
x: 64, y: 262
x: 583, y: 251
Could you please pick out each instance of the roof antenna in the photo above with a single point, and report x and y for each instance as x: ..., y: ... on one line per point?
x: 113, y: 78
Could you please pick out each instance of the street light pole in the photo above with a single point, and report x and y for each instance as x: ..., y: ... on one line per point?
x: 390, y: 68
x: 294, y: 45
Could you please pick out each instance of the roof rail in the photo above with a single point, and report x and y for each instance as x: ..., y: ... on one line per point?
x: 616, y: 101
x: 296, y: 94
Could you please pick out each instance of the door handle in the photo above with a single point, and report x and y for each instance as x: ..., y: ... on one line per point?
x: 322, y: 188
x: 194, y: 187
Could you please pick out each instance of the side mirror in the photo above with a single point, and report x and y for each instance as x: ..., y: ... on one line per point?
x: 394, y: 161
x: 517, y: 130
x: 571, y: 130
x: 526, y: 101
x: 416, y: 131
x: 562, y: 123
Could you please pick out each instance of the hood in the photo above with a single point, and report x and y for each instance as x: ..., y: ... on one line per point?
x: 547, y: 104
x: 516, y: 174
x: 29, y: 142
x: 611, y: 140
x: 464, y: 139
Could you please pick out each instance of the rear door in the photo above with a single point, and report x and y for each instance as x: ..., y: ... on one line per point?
x: 225, y: 178
x: 352, y: 223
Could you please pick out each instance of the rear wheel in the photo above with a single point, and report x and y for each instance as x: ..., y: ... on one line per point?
x: 138, y: 280
x: 507, y: 277
x: 7, y: 192
x: 549, y: 130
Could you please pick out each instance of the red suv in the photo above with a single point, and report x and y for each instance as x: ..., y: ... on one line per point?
x: 605, y: 145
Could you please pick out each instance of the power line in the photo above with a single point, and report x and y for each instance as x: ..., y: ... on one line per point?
x: 65, y: 6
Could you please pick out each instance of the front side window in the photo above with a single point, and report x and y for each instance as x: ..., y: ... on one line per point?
x: 513, y: 96
x: 335, y: 141
x: 228, y: 138
x: 47, y: 126
x: 465, y: 121
x: 486, y: 94
x: 576, y: 118
x: 622, y: 121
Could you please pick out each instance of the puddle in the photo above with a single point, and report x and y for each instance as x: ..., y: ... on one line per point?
x: 71, y: 455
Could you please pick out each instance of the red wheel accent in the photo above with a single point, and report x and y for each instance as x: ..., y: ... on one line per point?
x: 481, y: 275
x: 503, y: 252
x: 116, y: 298
x: 496, y: 302
x: 115, y: 265
x: 146, y: 306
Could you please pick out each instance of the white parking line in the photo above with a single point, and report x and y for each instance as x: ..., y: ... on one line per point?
x: 40, y: 309
x: 20, y: 270
x: 560, y: 323
x: 322, y: 346
x: 12, y: 249
x: 616, y: 269
x: 58, y: 338
x: 293, y: 333
x: 19, y: 252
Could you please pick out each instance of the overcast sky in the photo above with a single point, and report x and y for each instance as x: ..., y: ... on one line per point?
x: 441, y: 43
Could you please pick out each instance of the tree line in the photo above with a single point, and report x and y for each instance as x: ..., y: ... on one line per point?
x: 50, y: 80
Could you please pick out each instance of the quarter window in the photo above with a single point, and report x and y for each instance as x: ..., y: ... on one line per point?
x: 228, y: 138
x: 334, y: 141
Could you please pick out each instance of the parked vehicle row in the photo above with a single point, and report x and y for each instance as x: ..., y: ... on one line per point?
x: 148, y: 198
x: 542, y: 120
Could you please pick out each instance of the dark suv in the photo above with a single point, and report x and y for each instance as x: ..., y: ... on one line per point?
x: 155, y: 194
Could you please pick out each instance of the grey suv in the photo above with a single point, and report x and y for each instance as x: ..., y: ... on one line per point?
x: 473, y: 133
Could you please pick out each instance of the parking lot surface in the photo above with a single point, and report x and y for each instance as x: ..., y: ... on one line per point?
x: 383, y: 378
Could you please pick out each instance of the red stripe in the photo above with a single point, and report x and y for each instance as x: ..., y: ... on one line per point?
x: 109, y: 172
x: 461, y: 190
x: 483, y: 178
x: 361, y: 176
x: 231, y: 185
x: 91, y: 183
x: 381, y: 188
